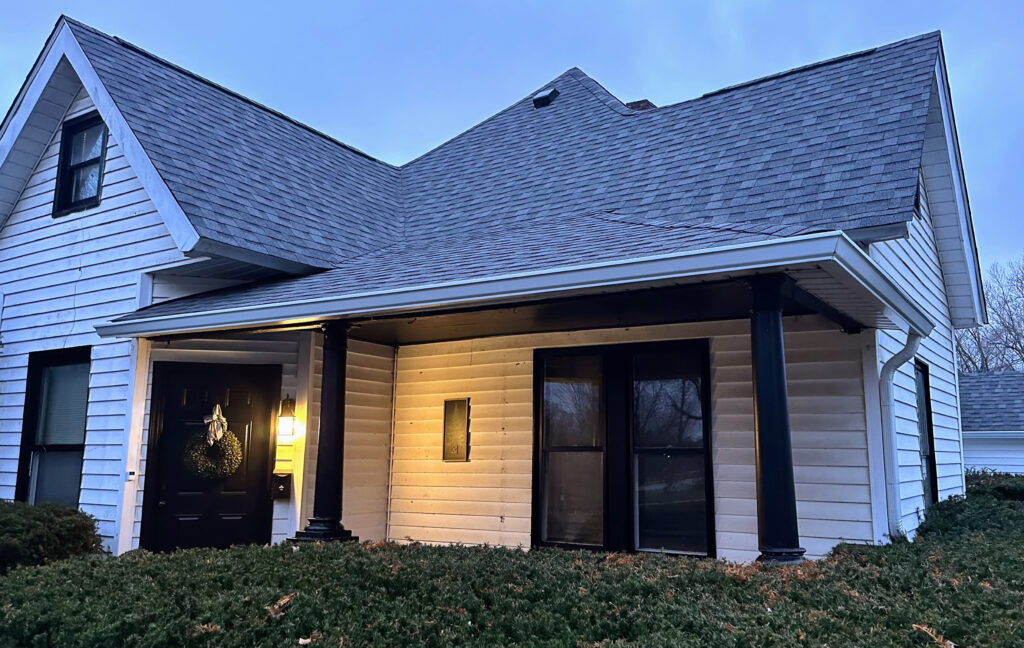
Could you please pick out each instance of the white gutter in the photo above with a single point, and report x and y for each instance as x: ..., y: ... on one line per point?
x: 990, y: 434
x: 828, y: 249
x: 889, y: 447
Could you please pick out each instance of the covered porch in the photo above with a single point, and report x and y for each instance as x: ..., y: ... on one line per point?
x: 790, y: 455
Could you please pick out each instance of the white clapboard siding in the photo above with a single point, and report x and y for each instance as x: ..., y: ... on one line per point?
x: 60, y: 277
x: 368, y: 403
x: 914, y: 264
x: 276, y: 348
x: 488, y: 499
x: 1000, y: 454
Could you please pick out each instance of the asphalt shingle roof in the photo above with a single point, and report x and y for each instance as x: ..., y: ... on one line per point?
x: 992, y: 401
x: 832, y: 146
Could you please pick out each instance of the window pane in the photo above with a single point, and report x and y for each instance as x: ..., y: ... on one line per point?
x: 85, y: 182
x: 573, y: 413
x: 671, y: 505
x: 63, y: 401
x: 667, y: 408
x: 87, y: 144
x: 574, y: 511
x: 58, y: 476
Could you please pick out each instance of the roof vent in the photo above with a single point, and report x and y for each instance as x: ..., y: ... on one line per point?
x: 640, y: 104
x: 544, y: 97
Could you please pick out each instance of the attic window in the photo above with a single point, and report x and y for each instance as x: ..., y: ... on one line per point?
x: 80, y: 169
x: 544, y: 97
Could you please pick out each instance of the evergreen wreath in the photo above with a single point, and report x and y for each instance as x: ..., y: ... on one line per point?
x: 219, y: 460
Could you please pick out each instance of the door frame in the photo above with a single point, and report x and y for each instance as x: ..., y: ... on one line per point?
x: 163, y: 370
x: 619, y: 406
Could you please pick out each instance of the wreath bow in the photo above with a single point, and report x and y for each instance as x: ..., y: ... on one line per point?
x: 217, y: 425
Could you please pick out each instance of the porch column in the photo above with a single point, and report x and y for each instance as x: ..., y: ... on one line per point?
x: 330, y: 455
x: 777, y: 533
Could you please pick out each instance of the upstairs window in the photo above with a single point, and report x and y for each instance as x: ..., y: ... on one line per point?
x: 80, y: 169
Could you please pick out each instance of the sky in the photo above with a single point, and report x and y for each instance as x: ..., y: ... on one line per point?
x: 397, y: 78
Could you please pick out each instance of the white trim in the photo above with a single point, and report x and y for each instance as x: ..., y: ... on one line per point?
x: 959, y: 189
x: 993, y: 434
x: 131, y: 445
x: 826, y: 250
x: 875, y: 436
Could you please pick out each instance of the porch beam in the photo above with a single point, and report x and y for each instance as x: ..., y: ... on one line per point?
x: 325, y: 525
x: 777, y: 530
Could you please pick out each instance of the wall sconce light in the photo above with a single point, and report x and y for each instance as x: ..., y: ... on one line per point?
x: 286, y: 418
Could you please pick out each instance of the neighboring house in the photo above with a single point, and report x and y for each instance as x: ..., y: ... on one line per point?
x: 992, y: 418
x: 641, y: 304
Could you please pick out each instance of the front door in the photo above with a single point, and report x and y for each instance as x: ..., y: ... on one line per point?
x: 623, y: 448
x: 195, y: 496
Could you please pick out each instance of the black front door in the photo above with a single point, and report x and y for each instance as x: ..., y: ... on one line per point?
x: 185, y: 507
x: 623, y: 448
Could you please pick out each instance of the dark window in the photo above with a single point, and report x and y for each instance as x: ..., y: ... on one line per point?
x: 80, y: 169
x: 53, y: 432
x: 623, y: 448
x: 926, y: 434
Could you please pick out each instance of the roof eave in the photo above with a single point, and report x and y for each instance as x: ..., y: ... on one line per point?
x: 832, y: 251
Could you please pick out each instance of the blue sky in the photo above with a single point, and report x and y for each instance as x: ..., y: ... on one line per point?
x: 397, y: 78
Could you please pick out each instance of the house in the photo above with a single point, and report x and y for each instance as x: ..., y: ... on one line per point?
x: 721, y: 327
x: 992, y: 419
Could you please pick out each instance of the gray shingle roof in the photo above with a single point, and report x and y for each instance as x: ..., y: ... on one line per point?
x: 835, y: 145
x: 992, y: 401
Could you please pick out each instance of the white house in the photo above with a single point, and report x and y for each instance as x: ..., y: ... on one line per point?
x: 993, y: 420
x: 721, y: 327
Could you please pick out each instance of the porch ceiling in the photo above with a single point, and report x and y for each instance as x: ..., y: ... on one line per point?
x: 841, y: 279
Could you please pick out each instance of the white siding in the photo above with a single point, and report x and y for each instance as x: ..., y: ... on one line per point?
x: 914, y: 264
x: 488, y: 499
x: 60, y: 277
x: 1000, y: 454
x: 369, y: 382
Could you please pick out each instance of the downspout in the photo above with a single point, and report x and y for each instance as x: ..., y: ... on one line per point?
x: 889, y: 448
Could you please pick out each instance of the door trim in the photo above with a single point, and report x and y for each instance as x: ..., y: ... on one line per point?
x: 161, y: 372
x: 623, y: 411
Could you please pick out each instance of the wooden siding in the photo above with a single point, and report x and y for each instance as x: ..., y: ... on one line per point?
x: 1002, y: 454
x: 914, y: 264
x: 61, y: 277
x: 369, y: 383
x: 488, y: 499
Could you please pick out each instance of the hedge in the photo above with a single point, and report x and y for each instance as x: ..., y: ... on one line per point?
x: 963, y: 586
x: 34, y: 535
x: 998, y: 485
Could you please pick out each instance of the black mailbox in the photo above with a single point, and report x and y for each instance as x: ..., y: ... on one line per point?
x: 281, y: 486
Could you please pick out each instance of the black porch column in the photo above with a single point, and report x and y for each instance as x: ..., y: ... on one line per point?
x: 777, y: 532
x: 330, y: 455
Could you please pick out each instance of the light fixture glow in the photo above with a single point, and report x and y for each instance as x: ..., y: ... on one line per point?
x: 286, y: 418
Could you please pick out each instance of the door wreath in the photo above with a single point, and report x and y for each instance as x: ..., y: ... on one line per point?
x: 216, y: 453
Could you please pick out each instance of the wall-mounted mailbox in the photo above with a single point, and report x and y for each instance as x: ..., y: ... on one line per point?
x: 281, y: 486
x: 456, y: 430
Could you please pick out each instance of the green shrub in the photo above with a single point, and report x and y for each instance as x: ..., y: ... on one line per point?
x: 1000, y: 485
x: 964, y: 587
x: 980, y: 514
x: 35, y: 535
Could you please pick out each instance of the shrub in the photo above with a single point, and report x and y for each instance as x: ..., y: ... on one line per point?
x: 979, y: 514
x: 384, y: 594
x: 34, y: 535
x: 999, y: 485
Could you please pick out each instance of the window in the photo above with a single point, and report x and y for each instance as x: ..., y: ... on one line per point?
x: 53, y: 432
x: 80, y: 169
x: 623, y: 448
x: 926, y: 434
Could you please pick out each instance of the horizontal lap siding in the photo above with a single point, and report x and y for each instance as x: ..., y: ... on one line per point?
x: 1003, y: 455
x: 488, y: 499
x: 914, y: 264
x: 60, y: 277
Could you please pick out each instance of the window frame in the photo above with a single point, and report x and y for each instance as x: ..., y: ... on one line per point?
x: 38, y: 362
x: 619, y: 481
x: 930, y: 480
x: 62, y: 203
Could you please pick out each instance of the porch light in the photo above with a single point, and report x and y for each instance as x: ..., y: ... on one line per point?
x: 286, y: 418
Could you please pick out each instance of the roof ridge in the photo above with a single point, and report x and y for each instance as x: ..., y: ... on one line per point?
x: 213, y: 84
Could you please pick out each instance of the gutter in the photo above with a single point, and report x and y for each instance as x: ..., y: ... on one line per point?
x: 822, y: 250
x: 889, y: 447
